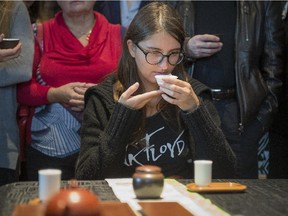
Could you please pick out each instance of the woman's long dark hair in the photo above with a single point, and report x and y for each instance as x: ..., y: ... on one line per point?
x: 151, y: 19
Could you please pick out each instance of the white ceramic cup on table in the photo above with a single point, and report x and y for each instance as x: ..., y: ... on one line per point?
x: 49, y: 183
x: 202, y: 172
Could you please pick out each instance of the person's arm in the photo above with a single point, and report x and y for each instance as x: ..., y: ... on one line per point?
x: 19, y: 69
x: 272, y: 64
x: 31, y: 93
x: 105, y: 132
x: 210, y: 142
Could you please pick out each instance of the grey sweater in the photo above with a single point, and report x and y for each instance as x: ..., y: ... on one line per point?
x: 107, y: 126
x: 12, y: 72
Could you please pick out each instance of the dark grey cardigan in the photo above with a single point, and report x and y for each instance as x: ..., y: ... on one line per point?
x: 107, y: 126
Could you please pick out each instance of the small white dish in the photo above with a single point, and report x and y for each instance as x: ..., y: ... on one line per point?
x: 160, y: 80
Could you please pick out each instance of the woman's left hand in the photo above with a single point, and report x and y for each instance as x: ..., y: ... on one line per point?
x: 179, y: 93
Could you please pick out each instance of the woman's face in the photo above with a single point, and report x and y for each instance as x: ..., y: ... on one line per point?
x: 71, y: 7
x: 161, y: 42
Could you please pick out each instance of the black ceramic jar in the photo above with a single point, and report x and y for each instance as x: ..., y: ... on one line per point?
x: 148, y: 182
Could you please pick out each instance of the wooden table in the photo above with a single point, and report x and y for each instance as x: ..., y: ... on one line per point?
x: 262, y: 197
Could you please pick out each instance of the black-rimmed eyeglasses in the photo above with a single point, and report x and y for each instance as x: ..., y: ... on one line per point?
x: 156, y: 57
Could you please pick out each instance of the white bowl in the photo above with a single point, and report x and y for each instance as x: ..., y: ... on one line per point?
x: 160, y: 80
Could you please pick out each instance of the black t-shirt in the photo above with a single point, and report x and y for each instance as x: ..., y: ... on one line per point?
x: 161, y: 146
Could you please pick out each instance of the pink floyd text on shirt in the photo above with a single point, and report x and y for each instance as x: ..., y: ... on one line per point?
x: 162, y: 146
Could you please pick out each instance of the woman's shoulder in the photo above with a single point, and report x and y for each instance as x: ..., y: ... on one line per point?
x: 19, y: 5
x: 103, y: 89
x: 19, y: 9
x: 103, y: 21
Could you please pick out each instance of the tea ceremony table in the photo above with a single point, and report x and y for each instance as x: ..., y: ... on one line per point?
x: 262, y: 196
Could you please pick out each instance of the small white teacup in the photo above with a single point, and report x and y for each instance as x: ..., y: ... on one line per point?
x: 202, y: 172
x: 159, y: 77
x: 49, y: 183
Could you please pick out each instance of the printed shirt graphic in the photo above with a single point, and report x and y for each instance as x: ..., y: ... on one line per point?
x: 163, y: 147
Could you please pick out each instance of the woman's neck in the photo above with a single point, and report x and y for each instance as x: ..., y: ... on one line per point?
x: 81, y: 25
x: 151, y: 106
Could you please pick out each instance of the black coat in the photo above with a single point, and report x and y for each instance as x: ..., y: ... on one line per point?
x: 259, y: 56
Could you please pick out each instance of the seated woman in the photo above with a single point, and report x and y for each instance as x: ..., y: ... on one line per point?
x: 128, y: 121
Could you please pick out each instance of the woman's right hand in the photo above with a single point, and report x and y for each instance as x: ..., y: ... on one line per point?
x: 8, y: 54
x: 137, y: 101
x: 71, y: 94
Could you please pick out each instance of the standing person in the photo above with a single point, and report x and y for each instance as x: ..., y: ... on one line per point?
x: 129, y: 122
x: 243, y: 69
x: 120, y: 12
x: 80, y: 47
x: 15, y: 67
x: 278, y: 133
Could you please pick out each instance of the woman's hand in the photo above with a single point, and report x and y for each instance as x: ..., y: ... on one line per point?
x: 206, y: 45
x: 137, y: 101
x: 179, y: 93
x: 71, y: 94
x: 8, y: 54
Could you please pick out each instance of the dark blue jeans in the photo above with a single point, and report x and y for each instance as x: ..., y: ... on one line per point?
x: 245, y: 144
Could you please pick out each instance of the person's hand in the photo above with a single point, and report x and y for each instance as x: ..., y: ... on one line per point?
x: 179, y: 93
x: 8, y: 54
x: 71, y: 94
x: 205, y: 45
x: 81, y: 91
x: 137, y: 101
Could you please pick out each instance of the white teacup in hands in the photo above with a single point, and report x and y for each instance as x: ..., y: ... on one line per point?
x: 159, y: 79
